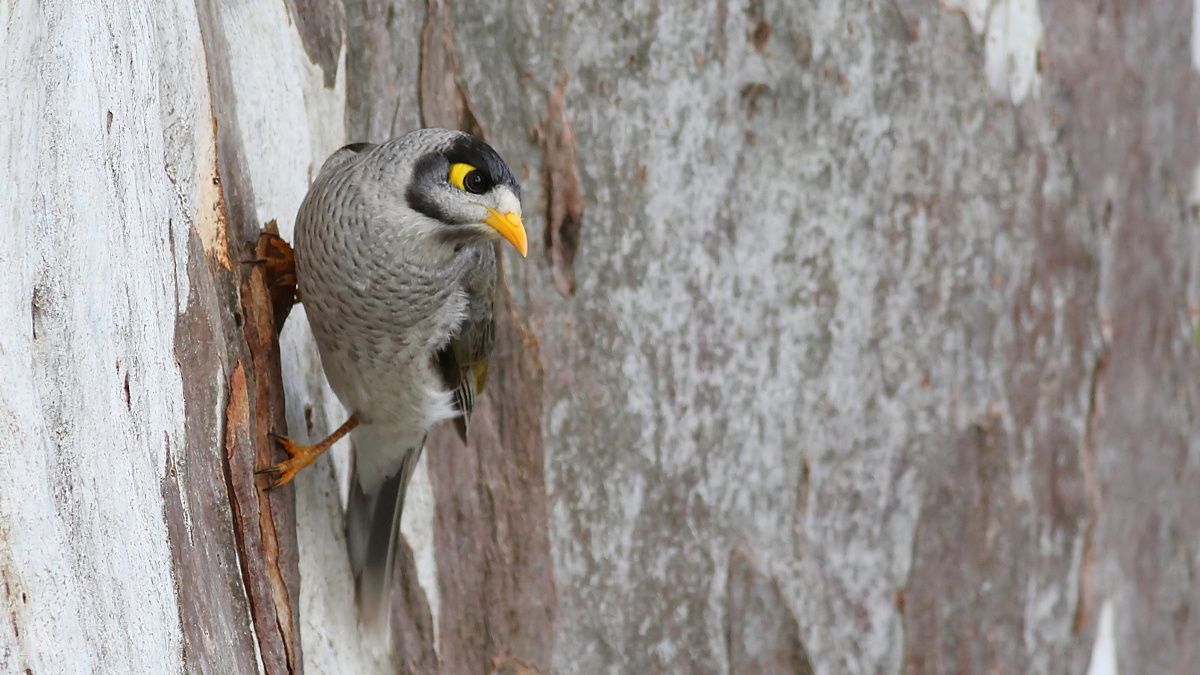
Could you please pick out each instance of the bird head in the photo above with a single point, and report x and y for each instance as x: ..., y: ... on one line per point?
x: 462, y: 187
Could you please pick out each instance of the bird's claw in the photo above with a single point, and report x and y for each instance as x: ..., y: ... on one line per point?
x: 299, y: 456
x: 280, y: 474
x: 275, y: 257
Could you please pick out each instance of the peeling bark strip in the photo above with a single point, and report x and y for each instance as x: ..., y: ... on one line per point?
x: 204, y: 543
x: 495, y: 573
x: 264, y: 523
x: 443, y: 94
x: 256, y: 545
x: 562, y: 189
x: 763, y: 635
x: 278, y: 548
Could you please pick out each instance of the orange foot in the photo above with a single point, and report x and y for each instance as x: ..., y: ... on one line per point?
x: 301, y: 456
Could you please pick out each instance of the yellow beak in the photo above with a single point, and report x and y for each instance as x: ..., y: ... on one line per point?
x: 510, y: 227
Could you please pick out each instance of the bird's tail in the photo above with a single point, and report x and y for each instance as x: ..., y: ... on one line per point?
x: 372, y: 533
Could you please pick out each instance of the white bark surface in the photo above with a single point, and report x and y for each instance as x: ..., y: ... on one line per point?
x: 106, y: 152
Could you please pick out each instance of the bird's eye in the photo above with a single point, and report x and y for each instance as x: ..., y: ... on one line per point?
x: 468, y: 178
x: 476, y: 183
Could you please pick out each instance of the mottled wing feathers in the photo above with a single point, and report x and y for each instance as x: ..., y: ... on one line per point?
x: 462, y: 363
x: 463, y: 366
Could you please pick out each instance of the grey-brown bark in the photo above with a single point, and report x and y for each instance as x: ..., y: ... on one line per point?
x: 858, y: 337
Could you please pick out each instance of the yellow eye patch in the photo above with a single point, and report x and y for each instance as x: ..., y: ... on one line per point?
x: 458, y: 172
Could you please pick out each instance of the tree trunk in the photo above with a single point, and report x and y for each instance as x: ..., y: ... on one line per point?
x: 860, y: 337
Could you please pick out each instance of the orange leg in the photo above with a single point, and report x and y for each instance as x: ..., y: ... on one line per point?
x: 302, y: 455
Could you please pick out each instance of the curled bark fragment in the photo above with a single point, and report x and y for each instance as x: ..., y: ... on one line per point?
x: 262, y: 520
x: 279, y: 267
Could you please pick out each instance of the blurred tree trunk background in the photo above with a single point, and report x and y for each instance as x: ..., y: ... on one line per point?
x: 855, y: 337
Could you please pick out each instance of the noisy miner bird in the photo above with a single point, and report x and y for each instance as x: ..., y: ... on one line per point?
x: 397, y: 272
